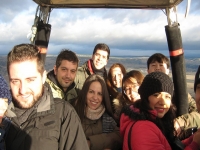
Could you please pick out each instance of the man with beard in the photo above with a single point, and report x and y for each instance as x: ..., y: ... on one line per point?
x: 95, y: 65
x: 61, y: 78
x: 39, y: 121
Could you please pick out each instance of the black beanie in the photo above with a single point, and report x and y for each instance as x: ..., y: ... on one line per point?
x: 155, y: 82
x: 195, y: 84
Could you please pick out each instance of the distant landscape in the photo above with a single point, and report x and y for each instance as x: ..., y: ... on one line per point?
x: 137, y: 63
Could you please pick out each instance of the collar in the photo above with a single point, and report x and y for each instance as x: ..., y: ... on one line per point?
x: 45, y: 106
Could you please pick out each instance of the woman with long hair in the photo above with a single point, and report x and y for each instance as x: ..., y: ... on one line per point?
x: 94, y: 109
x: 149, y: 122
x: 114, y: 80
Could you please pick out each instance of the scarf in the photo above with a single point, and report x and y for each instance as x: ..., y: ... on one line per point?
x: 95, y: 114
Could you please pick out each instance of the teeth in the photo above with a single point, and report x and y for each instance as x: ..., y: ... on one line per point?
x: 94, y: 102
x: 25, y: 96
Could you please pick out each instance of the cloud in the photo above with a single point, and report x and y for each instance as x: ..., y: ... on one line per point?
x: 126, y: 31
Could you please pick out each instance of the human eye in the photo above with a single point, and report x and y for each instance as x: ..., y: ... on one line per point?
x: 168, y: 96
x: 90, y: 91
x: 99, y: 93
x: 30, y: 79
x: 97, y: 54
x: 104, y: 57
x: 73, y: 71
x: 156, y: 94
x: 15, y: 81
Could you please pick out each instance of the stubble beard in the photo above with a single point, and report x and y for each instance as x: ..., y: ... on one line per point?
x: 26, y: 105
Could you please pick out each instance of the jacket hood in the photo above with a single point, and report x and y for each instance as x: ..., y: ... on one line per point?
x: 131, y: 114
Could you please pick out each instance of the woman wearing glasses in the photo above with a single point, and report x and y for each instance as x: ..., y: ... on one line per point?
x: 130, y: 85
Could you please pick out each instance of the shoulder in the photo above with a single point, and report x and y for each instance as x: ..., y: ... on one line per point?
x: 146, y: 129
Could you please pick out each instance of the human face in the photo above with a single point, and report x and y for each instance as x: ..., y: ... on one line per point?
x: 66, y: 73
x: 160, y: 102
x: 94, y: 95
x: 3, y: 106
x: 131, y: 89
x: 156, y: 66
x: 117, y: 76
x: 197, y: 97
x: 26, y: 83
x: 100, y: 58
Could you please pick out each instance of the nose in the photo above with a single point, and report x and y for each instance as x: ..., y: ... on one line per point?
x: 162, y: 100
x: 22, y: 88
x: 67, y: 73
x: 95, y: 96
x: 117, y: 77
x: 114, y: 78
x: 157, y: 68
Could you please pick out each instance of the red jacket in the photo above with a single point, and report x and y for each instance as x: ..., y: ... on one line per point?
x: 146, y: 135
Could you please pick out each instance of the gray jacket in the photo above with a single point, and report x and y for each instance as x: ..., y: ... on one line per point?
x: 52, y: 124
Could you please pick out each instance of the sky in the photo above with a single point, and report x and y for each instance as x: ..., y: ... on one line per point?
x: 128, y: 32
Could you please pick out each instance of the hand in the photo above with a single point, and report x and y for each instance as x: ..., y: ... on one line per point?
x: 177, y: 127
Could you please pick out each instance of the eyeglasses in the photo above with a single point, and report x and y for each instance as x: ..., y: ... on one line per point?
x: 129, y: 90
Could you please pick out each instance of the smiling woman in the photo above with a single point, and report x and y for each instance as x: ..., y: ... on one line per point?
x: 94, y: 109
x: 151, y: 117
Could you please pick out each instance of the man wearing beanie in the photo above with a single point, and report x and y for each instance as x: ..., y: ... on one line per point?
x: 149, y: 122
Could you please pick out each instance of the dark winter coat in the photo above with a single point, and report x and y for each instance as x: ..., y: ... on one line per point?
x: 52, y: 125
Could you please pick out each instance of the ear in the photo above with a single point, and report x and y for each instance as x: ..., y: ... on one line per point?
x: 93, y: 57
x: 148, y: 71
x: 44, y: 76
x: 167, y: 71
x: 106, y: 62
x: 55, y: 69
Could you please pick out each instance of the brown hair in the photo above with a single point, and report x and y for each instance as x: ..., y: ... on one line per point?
x: 109, y: 82
x: 103, y: 47
x: 131, y: 74
x: 66, y: 54
x: 82, y: 97
x: 159, y: 58
x: 24, y: 52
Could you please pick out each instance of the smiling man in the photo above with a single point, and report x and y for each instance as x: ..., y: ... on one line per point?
x: 39, y: 121
x: 95, y: 65
x: 61, y: 78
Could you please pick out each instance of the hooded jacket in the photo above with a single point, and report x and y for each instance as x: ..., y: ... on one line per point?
x: 83, y: 72
x: 144, y: 133
x: 51, y: 124
x: 70, y: 95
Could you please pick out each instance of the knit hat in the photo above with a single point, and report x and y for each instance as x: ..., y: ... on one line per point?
x: 4, y: 90
x: 196, y: 83
x: 155, y: 82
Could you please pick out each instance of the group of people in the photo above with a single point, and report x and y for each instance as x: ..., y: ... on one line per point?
x: 84, y: 107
